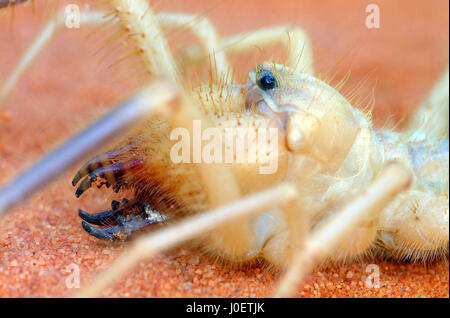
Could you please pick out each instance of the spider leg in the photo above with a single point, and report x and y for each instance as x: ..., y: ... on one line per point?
x: 322, y: 241
x: 431, y: 118
x: 154, y: 98
x: 203, y: 29
x: 139, y: 18
x: 295, y: 39
x: 415, y: 226
x: 189, y: 228
x: 38, y: 44
x: 9, y: 3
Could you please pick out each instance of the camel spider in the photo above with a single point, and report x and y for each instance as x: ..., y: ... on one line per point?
x: 327, y: 153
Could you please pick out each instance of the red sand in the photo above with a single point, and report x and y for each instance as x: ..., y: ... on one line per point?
x: 67, y: 88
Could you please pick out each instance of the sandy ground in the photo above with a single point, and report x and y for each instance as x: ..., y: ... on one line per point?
x: 69, y: 87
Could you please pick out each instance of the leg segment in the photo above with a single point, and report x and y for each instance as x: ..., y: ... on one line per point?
x: 431, y: 118
x: 8, y: 3
x: 89, y: 18
x: 202, y: 28
x: 208, y: 221
x: 325, y: 238
x: 416, y: 225
x: 157, y: 98
x: 299, y: 48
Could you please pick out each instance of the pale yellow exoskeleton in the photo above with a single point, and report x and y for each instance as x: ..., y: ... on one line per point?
x: 334, y: 194
x: 336, y: 153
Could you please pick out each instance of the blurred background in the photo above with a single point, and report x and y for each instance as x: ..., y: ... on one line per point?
x: 71, y: 84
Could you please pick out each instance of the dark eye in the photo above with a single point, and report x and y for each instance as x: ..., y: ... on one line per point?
x: 266, y: 80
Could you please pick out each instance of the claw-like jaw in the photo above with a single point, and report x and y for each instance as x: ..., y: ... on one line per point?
x: 104, y: 170
x: 107, y: 170
x: 97, y: 163
x: 101, y: 218
x: 120, y: 232
x: 122, y: 226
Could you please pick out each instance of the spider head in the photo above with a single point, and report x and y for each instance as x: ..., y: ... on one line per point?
x: 307, y: 110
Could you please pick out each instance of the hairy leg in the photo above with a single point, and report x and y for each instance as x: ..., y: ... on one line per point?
x: 8, y: 3
x: 415, y: 226
x: 88, y: 18
x: 295, y: 39
x: 202, y: 28
x: 168, y: 237
x: 323, y: 240
x: 431, y: 118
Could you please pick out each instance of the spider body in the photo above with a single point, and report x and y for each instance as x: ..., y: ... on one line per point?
x: 326, y: 150
x: 326, y: 147
x: 175, y: 189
